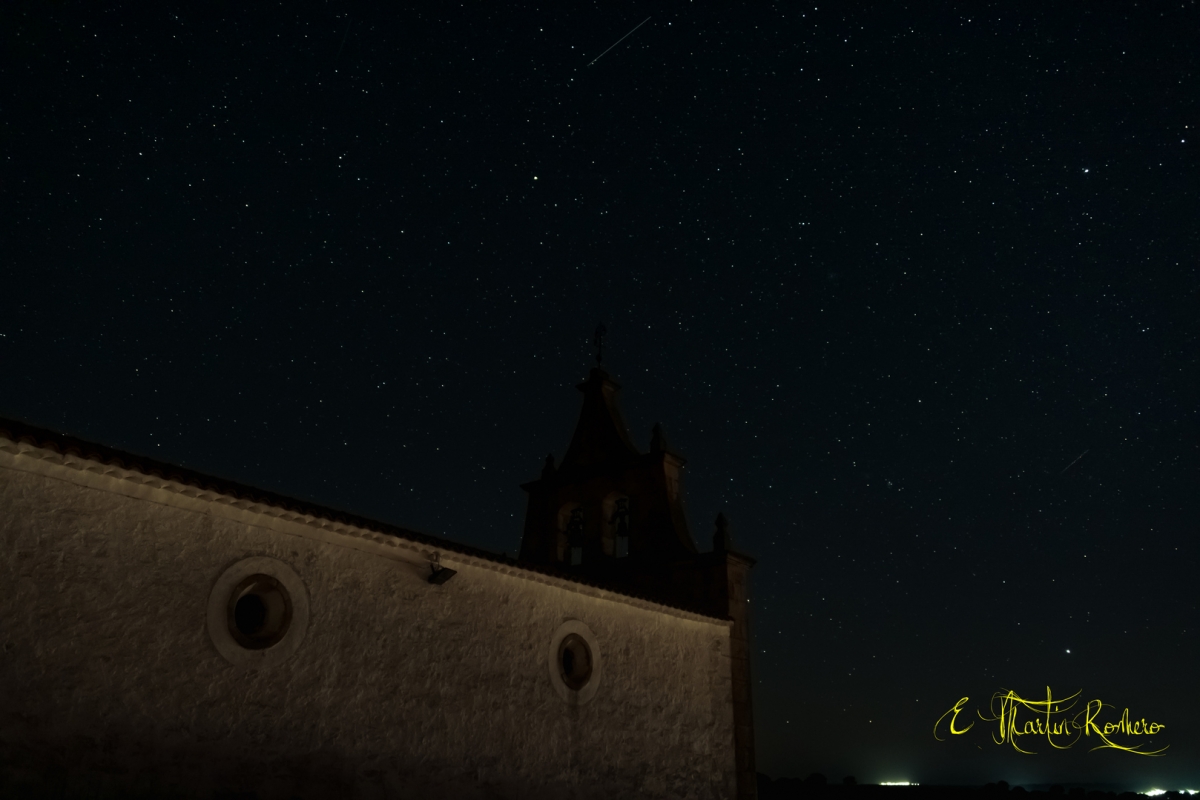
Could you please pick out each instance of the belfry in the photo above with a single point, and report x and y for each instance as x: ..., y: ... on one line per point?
x: 614, y: 516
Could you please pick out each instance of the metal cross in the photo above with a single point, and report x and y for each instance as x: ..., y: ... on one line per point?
x: 598, y: 341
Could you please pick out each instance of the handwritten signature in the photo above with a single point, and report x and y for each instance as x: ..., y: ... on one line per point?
x: 1052, y: 718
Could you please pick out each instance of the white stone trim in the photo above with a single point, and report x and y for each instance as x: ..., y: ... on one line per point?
x: 218, y: 613
x: 24, y: 457
x: 575, y: 697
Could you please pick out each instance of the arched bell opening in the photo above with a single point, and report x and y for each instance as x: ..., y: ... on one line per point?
x: 617, y: 521
x: 569, y: 542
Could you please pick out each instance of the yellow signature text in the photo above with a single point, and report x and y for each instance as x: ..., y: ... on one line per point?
x: 1053, y: 719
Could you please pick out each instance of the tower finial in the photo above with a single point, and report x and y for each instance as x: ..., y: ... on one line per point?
x: 598, y: 341
x: 722, y: 539
x: 658, y: 439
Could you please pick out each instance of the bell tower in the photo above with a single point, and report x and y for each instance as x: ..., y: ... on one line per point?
x: 607, y: 505
x: 615, y: 515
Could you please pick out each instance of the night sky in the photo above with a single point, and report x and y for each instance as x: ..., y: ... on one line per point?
x: 914, y: 290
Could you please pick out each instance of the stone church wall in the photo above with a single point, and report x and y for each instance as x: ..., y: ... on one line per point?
x: 113, y: 686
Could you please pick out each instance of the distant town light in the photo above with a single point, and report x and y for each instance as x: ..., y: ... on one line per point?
x: 898, y: 783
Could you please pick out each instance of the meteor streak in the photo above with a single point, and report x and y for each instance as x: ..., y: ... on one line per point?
x: 618, y: 41
x: 1081, y: 455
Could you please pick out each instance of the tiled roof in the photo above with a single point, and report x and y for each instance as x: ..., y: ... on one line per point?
x: 63, y: 444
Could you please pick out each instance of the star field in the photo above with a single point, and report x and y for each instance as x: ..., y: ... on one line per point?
x: 914, y: 289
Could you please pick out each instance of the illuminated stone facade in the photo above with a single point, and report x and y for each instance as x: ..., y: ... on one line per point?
x: 134, y: 661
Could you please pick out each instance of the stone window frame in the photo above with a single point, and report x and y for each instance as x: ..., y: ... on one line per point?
x: 575, y: 697
x: 218, y: 621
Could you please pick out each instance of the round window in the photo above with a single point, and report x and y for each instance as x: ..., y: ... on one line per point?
x: 257, y: 612
x: 260, y: 612
x: 574, y: 662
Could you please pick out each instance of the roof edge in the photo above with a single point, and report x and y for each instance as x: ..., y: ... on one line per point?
x: 64, y: 446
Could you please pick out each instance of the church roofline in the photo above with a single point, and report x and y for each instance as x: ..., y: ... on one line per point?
x: 66, y: 446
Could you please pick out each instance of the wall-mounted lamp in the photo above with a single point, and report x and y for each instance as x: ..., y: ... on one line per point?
x: 439, y: 574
